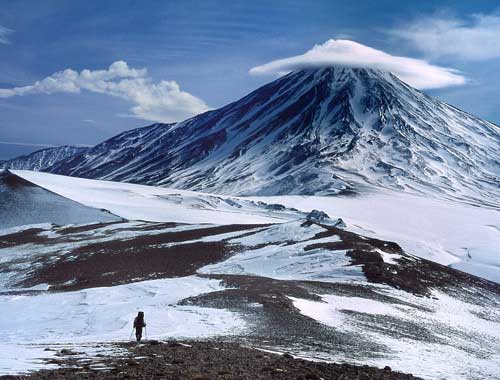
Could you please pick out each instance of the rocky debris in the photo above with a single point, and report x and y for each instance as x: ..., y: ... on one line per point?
x: 207, y: 360
x: 275, y: 207
x: 403, y: 271
x: 317, y: 216
x: 66, y: 352
x: 277, y: 324
x: 322, y: 218
x: 270, y: 293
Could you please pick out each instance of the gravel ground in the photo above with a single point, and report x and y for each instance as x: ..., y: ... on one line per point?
x: 203, y: 361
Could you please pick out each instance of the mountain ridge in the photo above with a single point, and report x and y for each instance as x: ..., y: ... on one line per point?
x: 42, y: 159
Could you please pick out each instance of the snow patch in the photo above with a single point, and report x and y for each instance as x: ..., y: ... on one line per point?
x: 470, y: 342
x: 106, y: 314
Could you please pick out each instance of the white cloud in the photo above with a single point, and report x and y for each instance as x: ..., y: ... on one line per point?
x: 475, y: 39
x: 162, y: 102
x: 27, y: 144
x: 4, y: 34
x: 345, y: 53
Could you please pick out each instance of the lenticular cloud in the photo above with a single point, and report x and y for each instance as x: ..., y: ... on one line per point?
x: 416, y: 72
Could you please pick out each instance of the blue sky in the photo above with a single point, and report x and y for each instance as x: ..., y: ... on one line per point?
x: 203, y: 51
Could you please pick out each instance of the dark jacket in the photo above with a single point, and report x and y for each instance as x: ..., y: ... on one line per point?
x: 139, y: 323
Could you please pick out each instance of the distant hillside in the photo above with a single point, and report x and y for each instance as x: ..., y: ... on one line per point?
x: 42, y: 159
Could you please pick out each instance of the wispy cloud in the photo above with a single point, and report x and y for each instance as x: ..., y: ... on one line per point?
x: 475, y: 38
x: 345, y: 53
x: 4, y: 34
x: 163, y: 101
x: 26, y: 144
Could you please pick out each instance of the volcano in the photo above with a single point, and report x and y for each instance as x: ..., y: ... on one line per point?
x: 320, y: 131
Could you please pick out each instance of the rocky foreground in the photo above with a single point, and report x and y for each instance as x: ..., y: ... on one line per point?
x: 309, y: 287
x: 202, y: 361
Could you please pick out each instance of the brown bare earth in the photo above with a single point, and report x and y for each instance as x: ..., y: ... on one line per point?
x: 166, y: 254
x: 205, y: 361
x: 117, y: 262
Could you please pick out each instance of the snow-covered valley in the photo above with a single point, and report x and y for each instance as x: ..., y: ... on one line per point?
x: 447, y: 232
x: 237, y: 268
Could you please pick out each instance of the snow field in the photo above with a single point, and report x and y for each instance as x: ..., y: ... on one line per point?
x: 106, y: 314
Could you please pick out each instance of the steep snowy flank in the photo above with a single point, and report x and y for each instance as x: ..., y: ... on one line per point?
x: 42, y: 159
x: 323, y: 131
x: 24, y: 203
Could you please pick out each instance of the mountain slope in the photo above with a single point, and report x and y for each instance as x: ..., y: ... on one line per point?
x: 323, y: 131
x: 22, y: 202
x: 138, y: 202
x: 42, y: 159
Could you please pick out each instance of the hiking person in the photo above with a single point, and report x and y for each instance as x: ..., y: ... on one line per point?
x: 138, y: 325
